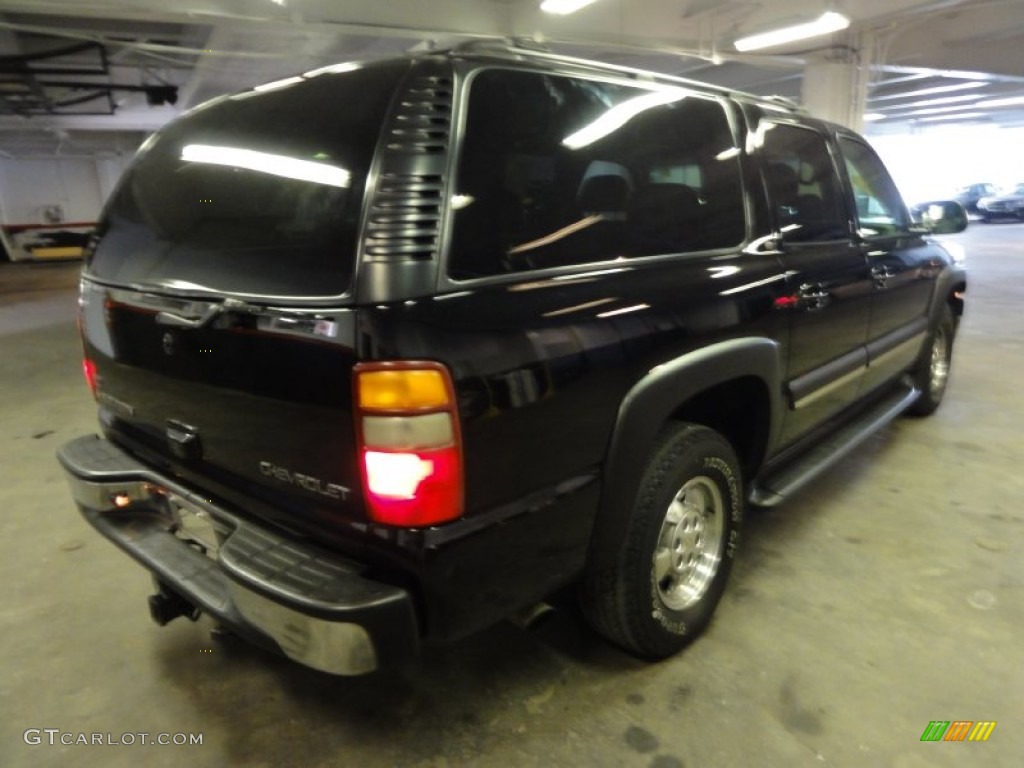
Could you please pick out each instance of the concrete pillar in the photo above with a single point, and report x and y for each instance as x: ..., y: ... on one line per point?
x: 835, y: 88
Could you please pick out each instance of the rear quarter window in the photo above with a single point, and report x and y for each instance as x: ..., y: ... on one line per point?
x: 559, y: 171
x: 256, y: 194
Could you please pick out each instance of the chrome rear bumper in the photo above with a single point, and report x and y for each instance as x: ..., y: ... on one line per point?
x: 309, y: 604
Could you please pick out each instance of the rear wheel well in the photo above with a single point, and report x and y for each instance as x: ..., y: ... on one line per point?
x: 739, y: 410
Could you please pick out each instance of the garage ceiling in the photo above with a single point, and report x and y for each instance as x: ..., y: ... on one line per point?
x: 79, y: 77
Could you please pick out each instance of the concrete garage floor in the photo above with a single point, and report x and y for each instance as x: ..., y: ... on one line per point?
x: 887, y: 595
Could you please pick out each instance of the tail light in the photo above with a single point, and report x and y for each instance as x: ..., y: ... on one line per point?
x: 89, y: 371
x: 88, y: 366
x: 410, y: 450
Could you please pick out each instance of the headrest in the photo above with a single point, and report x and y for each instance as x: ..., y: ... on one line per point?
x: 602, y: 194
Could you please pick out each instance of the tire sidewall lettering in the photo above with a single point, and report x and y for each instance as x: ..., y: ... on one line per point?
x: 720, y: 471
x: 661, y: 614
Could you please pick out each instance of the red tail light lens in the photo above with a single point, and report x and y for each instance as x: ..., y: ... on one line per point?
x: 89, y: 371
x: 413, y: 488
x: 409, y: 446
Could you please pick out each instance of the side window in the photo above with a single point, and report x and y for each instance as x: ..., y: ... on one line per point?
x: 558, y: 171
x: 880, y: 209
x: 677, y: 173
x: 802, y: 184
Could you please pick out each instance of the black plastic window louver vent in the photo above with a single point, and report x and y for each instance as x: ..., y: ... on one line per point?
x: 405, y: 216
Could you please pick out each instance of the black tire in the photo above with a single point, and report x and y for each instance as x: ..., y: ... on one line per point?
x: 688, y: 512
x: 932, y: 373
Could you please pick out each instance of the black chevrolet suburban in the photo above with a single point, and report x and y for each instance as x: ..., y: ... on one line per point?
x: 390, y: 351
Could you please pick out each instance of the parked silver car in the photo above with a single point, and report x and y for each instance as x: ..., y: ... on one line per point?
x: 1005, y: 206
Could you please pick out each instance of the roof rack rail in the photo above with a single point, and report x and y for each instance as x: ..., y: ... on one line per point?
x: 505, y: 43
x: 524, y: 45
x: 785, y: 101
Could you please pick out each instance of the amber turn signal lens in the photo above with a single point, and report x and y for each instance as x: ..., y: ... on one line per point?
x: 390, y: 390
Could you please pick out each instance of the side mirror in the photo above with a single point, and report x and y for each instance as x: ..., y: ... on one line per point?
x: 940, y: 217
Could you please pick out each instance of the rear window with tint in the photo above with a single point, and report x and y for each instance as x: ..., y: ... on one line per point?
x: 558, y: 171
x: 257, y: 194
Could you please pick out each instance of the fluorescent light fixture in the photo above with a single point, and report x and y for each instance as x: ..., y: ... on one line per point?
x: 1012, y: 101
x: 964, y: 116
x: 278, y: 84
x: 826, y: 23
x: 939, y: 110
x: 964, y: 74
x: 932, y: 104
x: 871, y: 117
x: 930, y: 91
x: 905, y: 79
x: 940, y: 100
x: 264, y: 162
x: 960, y: 74
x: 620, y: 114
x: 563, y: 7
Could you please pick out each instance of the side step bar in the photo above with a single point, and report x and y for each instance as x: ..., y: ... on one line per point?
x: 786, y: 480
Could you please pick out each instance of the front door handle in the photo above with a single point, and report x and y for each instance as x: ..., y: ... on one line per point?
x: 882, y: 275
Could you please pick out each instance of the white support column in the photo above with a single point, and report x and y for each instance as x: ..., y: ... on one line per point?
x: 835, y: 88
x: 830, y: 91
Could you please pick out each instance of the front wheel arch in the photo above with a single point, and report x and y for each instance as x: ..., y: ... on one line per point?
x: 931, y: 375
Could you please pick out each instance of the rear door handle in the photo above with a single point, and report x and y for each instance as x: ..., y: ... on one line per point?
x: 814, y: 297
